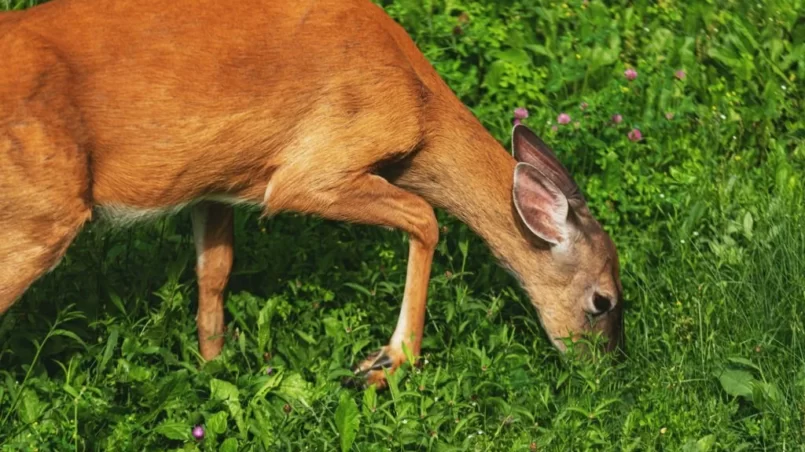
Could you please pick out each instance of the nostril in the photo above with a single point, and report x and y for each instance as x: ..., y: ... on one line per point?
x: 602, y: 304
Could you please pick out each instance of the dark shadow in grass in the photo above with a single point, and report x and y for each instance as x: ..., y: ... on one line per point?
x: 104, y: 264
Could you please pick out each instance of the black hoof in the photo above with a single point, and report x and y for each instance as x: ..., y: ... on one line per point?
x: 378, y: 360
x: 353, y: 383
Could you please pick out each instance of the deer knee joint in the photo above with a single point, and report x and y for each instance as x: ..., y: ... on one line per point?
x: 428, y: 233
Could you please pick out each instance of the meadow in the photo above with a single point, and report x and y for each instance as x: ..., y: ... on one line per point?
x: 682, y: 121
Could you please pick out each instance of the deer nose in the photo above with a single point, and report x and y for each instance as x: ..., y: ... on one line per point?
x: 601, y: 304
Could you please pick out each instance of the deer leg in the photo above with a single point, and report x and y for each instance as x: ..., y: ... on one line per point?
x: 370, y: 199
x: 43, y: 201
x: 213, y: 235
x: 411, y: 321
x: 25, y: 254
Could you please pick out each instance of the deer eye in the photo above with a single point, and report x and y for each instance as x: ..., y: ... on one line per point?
x: 601, y: 303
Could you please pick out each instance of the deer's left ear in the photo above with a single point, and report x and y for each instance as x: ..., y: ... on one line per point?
x: 542, y: 206
x: 529, y: 148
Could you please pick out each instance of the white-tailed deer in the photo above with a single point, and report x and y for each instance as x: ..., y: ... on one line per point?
x: 318, y: 107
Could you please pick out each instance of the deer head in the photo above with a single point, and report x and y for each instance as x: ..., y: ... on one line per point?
x: 573, y: 280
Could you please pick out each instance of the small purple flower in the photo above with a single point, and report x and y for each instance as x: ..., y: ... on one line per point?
x: 520, y: 113
x: 269, y: 370
x: 680, y: 74
x: 669, y: 116
x: 563, y: 118
x: 554, y: 128
x: 584, y: 106
x: 198, y: 432
x: 630, y: 74
x: 617, y: 118
x: 635, y: 135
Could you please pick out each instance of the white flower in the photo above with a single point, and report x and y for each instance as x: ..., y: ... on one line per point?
x: 682, y: 241
x: 662, y: 195
x: 723, y: 117
x: 480, y: 432
x: 405, y: 421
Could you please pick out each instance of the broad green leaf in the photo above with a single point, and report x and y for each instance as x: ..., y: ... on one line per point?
x: 295, y: 387
x: 369, y: 404
x: 228, y: 393
x: 272, y: 383
x: 394, y: 388
x: 307, y: 338
x: 464, y: 247
x: 494, y: 73
x: 229, y: 445
x: 737, y: 383
x: 359, y: 288
x: 333, y: 327
x: 262, y: 428
x: 242, y: 342
x: 111, y: 344
x: 517, y: 57
x: 117, y: 302
x: 174, y: 430
x: 223, y: 390
x: 264, y: 323
x: 217, y: 422
x: 744, y: 361
x: 70, y: 390
x: 539, y: 50
x: 347, y: 420
x: 748, y: 224
x: 704, y: 444
x: 764, y: 393
x: 70, y: 334
x: 31, y: 408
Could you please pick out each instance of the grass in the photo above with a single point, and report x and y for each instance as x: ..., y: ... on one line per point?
x: 708, y: 214
x: 716, y: 352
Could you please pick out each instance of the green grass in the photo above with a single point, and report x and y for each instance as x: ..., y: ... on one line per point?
x: 708, y: 213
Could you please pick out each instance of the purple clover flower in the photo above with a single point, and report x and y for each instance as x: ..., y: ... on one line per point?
x: 680, y: 74
x: 520, y: 113
x: 198, y: 432
x: 630, y: 74
x: 617, y: 118
x: 563, y: 118
x: 635, y: 135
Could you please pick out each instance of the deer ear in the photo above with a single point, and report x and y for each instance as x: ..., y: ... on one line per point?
x: 541, y: 204
x: 529, y: 148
